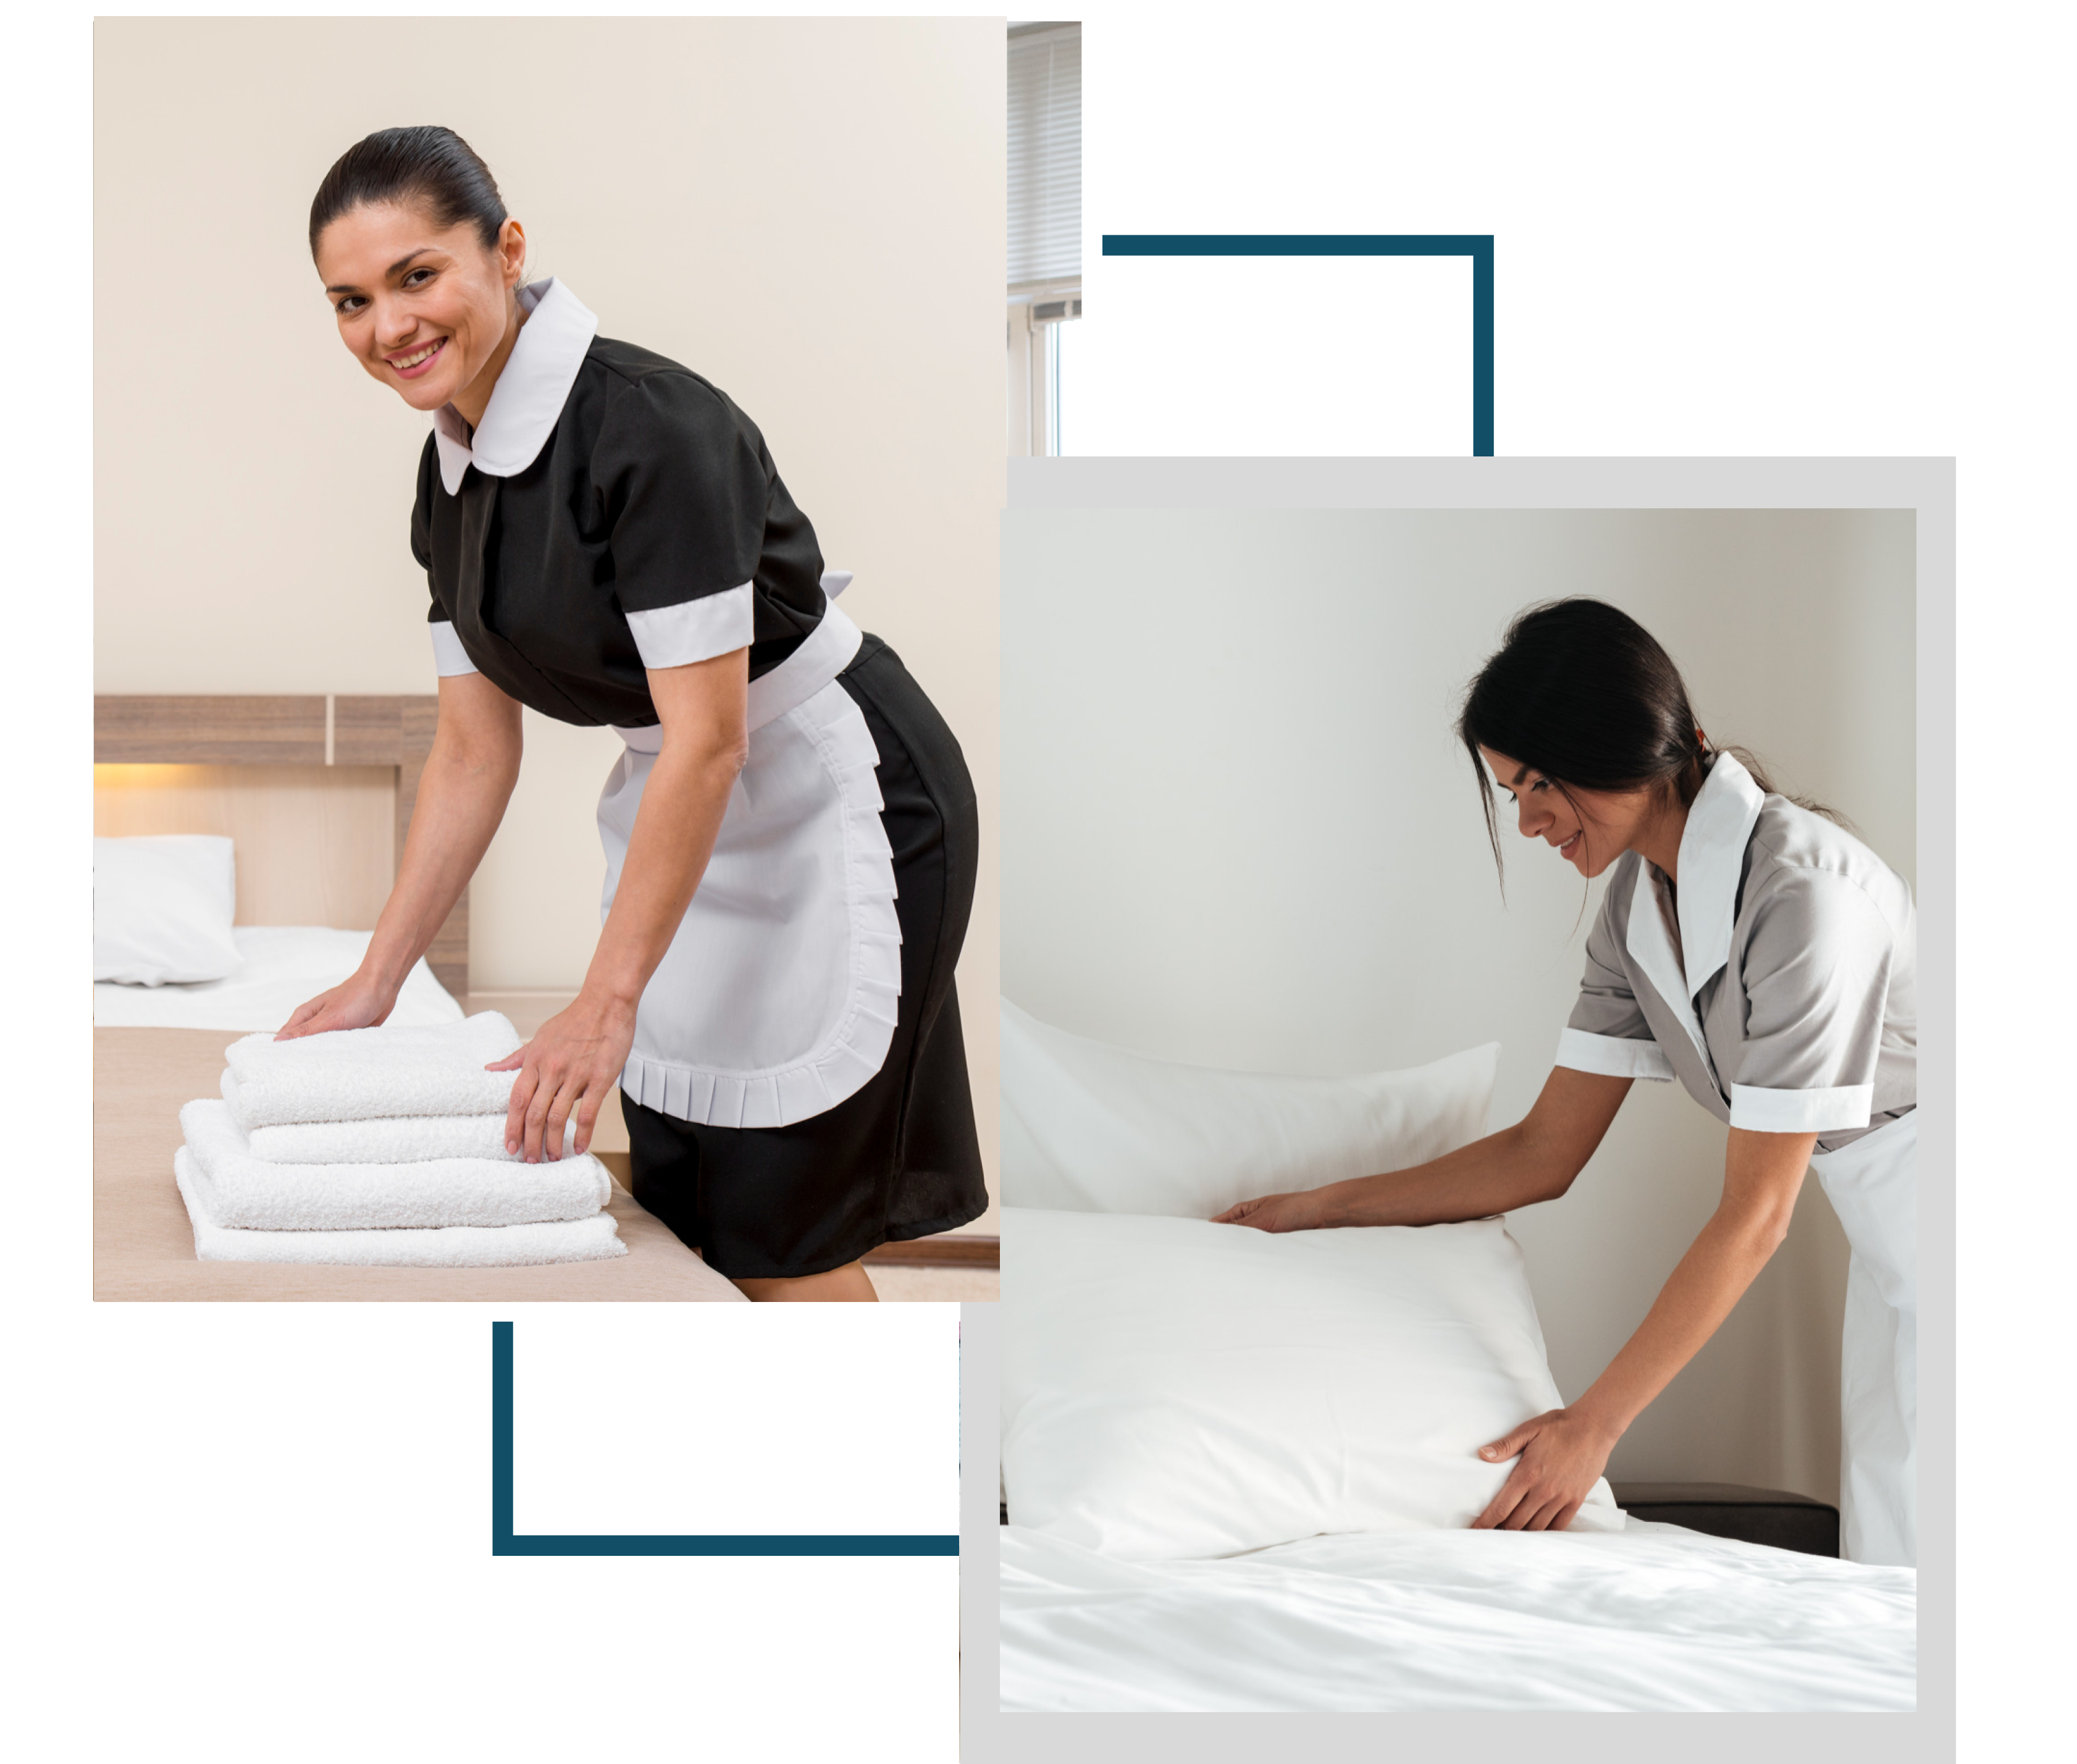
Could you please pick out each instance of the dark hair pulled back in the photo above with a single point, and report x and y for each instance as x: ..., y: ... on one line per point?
x: 1582, y: 693
x: 428, y: 165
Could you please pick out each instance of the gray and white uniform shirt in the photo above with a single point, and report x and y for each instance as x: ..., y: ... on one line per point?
x: 1778, y: 982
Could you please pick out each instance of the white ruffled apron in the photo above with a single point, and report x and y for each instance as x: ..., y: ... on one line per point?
x: 1873, y: 1186
x: 778, y: 997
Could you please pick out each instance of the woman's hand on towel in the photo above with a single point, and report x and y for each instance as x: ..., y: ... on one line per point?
x: 1299, y: 1211
x: 566, y: 1073
x: 357, y: 1002
x: 1561, y: 1456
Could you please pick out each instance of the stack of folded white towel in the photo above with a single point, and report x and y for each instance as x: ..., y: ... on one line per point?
x: 383, y: 1148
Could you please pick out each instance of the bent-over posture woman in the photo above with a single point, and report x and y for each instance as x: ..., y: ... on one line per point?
x: 790, y: 832
x: 1749, y: 947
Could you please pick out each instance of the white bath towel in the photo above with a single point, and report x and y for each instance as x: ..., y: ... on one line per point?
x: 595, y: 1239
x: 243, y: 1193
x: 387, y: 1139
x: 371, y: 1074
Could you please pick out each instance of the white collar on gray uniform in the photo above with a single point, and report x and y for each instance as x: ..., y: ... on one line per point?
x: 529, y: 393
x: 1712, y: 846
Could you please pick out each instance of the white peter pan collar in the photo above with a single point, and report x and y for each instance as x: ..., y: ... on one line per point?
x: 529, y: 393
x: 1713, y: 847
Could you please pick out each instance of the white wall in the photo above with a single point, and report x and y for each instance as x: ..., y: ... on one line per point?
x: 810, y: 213
x: 1238, y: 831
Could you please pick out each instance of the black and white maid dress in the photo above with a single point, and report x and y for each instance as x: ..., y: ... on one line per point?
x: 797, y: 1092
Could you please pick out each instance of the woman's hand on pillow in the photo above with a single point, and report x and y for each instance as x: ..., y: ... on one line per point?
x: 1561, y: 1456
x: 356, y: 1002
x: 1299, y: 1211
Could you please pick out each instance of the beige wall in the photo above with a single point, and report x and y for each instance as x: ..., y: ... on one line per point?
x: 1239, y: 832
x: 809, y: 212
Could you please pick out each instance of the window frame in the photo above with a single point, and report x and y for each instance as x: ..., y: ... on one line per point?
x: 1033, y: 367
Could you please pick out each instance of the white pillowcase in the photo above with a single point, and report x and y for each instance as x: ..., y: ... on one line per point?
x: 1088, y: 1128
x: 162, y: 910
x: 1176, y: 1388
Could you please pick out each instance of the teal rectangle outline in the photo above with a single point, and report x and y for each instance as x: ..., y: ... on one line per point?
x: 1477, y: 247
x: 505, y: 1542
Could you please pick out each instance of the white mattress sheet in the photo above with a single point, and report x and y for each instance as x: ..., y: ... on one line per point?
x: 285, y: 964
x: 1653, y: 1618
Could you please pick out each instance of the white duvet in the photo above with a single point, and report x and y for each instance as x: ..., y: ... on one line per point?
x: 284, y: 965
x: 1654, y: 1617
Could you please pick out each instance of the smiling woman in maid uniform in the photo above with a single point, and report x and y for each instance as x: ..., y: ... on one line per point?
x: 790, y: 832
x: 1749, y: 947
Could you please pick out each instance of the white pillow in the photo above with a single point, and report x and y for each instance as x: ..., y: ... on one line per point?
x: 1172, y: 1387
x: 1088, y: 1128
x: 162, y: 910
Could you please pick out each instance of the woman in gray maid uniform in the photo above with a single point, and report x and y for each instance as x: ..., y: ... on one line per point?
x: 1752, y: 949
x: 790, y: 832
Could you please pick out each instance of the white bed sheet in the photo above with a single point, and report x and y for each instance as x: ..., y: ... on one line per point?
x: 1653, y: 1618
x: 285, y: 964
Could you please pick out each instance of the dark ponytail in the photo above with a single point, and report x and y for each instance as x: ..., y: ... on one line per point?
x: 1584, y: 694
x: 427, y: 166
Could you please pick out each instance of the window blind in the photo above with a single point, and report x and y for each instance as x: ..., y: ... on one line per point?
x: 1046, y: 156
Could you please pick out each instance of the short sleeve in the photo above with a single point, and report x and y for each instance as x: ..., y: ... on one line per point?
x: 1607, y: 1033
x: 449, y: 657
x: 686, y: 485
x: 1816, y: 972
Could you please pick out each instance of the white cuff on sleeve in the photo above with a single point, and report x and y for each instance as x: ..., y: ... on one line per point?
x: 1801, y: 1111
x: 449, y: 657
x: 1613, y: 1056
x: 695, y: 630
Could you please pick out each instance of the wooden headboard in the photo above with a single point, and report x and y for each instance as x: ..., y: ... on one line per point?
x: 317, y: 731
